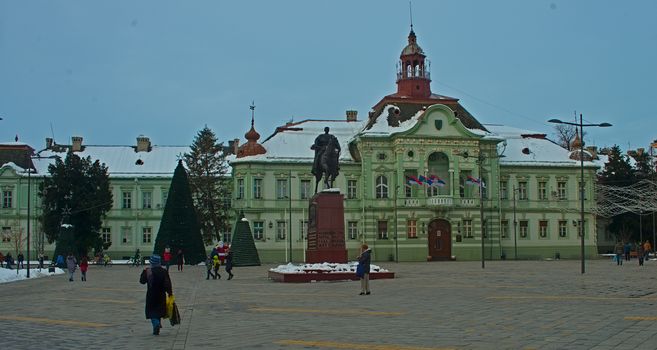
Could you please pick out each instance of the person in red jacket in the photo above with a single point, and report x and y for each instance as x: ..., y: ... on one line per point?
x: 84, y: 265
x: 167, y: 257
x: 221, y: 251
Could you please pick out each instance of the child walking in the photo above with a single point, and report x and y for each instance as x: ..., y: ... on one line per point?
x: 84, y: 265
x: 208, y: 266
x: 215, y: 265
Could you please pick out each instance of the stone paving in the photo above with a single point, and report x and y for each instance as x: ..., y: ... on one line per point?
x: 438, y: 305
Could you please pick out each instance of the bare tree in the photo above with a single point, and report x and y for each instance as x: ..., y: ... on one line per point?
x: 565, y: 135
x: 17, y: 240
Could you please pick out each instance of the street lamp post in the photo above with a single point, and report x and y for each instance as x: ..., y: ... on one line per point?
x: 289, y: 196
x: 515, y: 224
x: 581, y: 126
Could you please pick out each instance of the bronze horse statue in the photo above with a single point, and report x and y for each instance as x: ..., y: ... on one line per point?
x: 328, y: 164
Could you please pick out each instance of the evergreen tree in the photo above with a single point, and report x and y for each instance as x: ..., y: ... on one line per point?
x: 243, y: 247
x: 209, y: 185
x: 179, y: 228
x: 619, y: 172
x: 76, y: 196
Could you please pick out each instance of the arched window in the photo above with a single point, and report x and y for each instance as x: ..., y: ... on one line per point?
x: 381, y: 187
x: 438, y: 167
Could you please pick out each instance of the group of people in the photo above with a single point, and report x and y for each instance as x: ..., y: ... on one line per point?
x: 624, y: 251
x: 220, y: 255
x: 72, y: 265
x: 8, y: 260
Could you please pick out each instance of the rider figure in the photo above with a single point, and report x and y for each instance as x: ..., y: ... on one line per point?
x: 320, y: 147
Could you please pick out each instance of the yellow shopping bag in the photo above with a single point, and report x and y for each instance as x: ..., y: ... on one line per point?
x: 170, y: 301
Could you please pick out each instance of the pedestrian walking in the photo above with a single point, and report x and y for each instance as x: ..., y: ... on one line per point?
x: 619, y: 253
x: 208, y: 266
x: 40, y: 260
x: 180, y: 259
x: 364, y: 264
x: 627, y: 248
x: 71, y: 265
x: 9, y: 260
x: 106, y: 259
x: 84, y: 265
x: 215, y: 267
x: 229, y: 263
x: 21, y: 258
x: 136, y: 260
x: 221, y: 251
x: 60, y: 261
x: 158, y: 286
x: 647, y: 249
x: 167, y: 257
x: 639, y: 253
x: 2, y: 260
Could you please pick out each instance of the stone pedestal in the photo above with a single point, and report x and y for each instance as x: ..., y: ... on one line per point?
x: 326, y: 228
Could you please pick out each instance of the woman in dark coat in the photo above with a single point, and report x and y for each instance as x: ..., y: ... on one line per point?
x: 364, y: 260
x: 159, y: 285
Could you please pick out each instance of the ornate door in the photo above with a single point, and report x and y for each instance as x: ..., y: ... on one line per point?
x: 440, y: 240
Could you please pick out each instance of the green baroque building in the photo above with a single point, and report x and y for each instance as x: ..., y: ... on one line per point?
x: 422, y: 179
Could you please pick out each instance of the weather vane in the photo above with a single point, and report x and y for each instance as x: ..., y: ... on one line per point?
x: 252, y: 108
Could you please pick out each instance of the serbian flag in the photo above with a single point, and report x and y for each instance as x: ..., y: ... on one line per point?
x: 436, y: 181
x: 423, y: 180
x: 412, y: 180
x: 474, y: 181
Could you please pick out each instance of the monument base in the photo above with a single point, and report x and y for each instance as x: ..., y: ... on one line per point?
x: 317, y: 276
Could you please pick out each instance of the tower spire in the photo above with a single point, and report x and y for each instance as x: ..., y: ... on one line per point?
x: 410, y: 10
x: 252, y: 108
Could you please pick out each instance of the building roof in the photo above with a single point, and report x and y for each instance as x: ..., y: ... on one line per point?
x: 18, y: 153
x: 291, y: 142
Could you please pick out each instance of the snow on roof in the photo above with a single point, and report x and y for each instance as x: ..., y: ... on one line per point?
x: 381, y: 127
x: 531, y: 148
x: 292, y: 142
x: 123, y: 161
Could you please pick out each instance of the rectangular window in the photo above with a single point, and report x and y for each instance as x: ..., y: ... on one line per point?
x: 543, y: 228
x: 281, y: 230
x: 563, y: 228
x: 411, y: 228
x: 6, y: 234
x: 258, y: 230
x: 561, y: 190
x: 351, y: 189
x: 303, y: 229
x: 281, y: 189
x: 7, y: 201
x: 352, y: 229
x: 147, y: 234
x: 304, y: 190
x: 165, y: 196
x: 504, y: 228
x: 381, y: 187
x: 240, y: 188
x: 227, y: 236
x: 106, y: 234
x: 542, y: 190
x: 147, y: 199
x: 522, y: 190
x: 126, y: 235
x: 382, y: 229
x: 257, y: 188
x: 467, y: 228
x: 126, y: 203
x: 524, y: 228
x: 579, y: 190
x: 503, y: 190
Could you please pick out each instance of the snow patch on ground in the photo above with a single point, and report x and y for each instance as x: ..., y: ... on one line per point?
x: 7, y: 275
x: 324, y: 267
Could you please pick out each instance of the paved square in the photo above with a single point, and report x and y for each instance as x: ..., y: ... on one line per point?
x: 444, y: 305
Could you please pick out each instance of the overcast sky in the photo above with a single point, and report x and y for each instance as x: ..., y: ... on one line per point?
x: 111, y: 70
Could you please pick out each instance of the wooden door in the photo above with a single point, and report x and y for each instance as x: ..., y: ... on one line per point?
x: 440, y: 240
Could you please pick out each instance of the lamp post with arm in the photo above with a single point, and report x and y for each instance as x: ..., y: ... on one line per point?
x: 581, y: 126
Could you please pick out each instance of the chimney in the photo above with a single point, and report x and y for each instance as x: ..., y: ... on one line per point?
x: 143, y: 144
x: 49, y: 142
x: 352, y: 115
x: 236, y: 146
x: 76, y: 143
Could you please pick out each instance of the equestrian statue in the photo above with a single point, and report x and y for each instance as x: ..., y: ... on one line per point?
x: 327, y: 152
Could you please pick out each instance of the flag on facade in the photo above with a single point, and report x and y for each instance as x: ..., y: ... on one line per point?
x: 436, y: 181
x: 474, y: 181
x: 422, y: 179
x: 412, y: 180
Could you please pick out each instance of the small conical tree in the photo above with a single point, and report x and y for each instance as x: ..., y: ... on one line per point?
x: 179, y: 228
x: 242, y: 245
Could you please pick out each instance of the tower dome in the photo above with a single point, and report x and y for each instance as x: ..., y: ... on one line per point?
x: 251, y: 147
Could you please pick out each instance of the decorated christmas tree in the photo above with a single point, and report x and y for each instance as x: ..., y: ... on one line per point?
x: 179, y: 228
x: 243, y: 247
